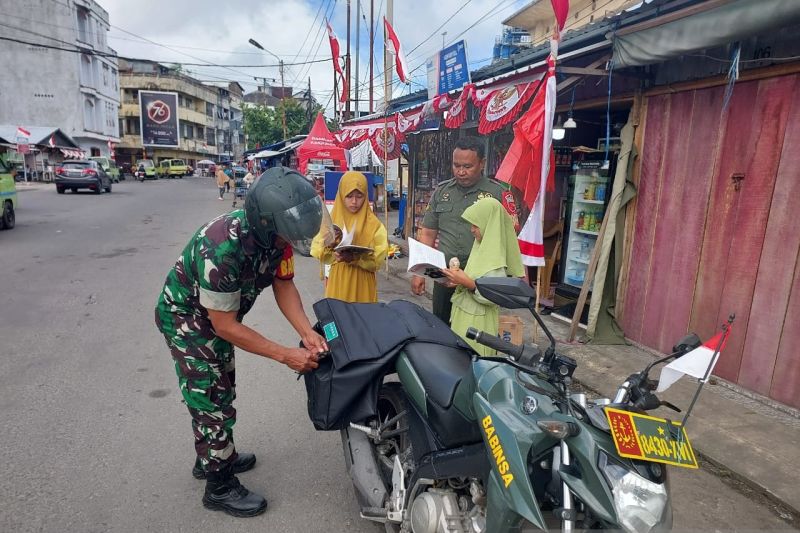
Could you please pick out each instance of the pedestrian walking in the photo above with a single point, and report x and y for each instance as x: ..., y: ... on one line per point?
x: 215, y: 282
x: 495, y: 253
x: 352, y: 275
x: 222, y: 180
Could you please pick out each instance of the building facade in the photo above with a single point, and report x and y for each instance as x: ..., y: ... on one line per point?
x: 209, y: 115
x: 59, y: 71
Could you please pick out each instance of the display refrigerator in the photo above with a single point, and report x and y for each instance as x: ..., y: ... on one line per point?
x: 586, y: 207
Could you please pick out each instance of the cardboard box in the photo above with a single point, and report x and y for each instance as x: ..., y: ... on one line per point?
x: 511, y: 329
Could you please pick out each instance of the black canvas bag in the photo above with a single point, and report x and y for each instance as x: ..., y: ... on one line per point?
x: 364, y: 341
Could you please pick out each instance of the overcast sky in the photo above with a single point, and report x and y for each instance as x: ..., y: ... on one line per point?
x: 209, y: 31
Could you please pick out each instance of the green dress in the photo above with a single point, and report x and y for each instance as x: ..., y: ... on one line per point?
x: 495, y: 255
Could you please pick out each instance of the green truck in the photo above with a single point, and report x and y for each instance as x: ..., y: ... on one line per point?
x: 8, y: 195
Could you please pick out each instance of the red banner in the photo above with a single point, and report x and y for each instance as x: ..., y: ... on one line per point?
x: 457, y: 113
x: 390, y: 149
x: 503, y: 105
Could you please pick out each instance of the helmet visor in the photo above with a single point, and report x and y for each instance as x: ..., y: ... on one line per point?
x: 300, y: 224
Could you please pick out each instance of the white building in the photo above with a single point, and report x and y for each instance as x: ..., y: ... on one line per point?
x: 58, y: 70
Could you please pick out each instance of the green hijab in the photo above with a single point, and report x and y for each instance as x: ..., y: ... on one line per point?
x: 498, y: 247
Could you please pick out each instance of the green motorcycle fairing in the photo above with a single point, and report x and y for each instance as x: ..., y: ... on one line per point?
x: 498, y: 404
x: 509, y: 436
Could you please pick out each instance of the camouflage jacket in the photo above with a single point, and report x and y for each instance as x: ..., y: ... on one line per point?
x: 222, y: 268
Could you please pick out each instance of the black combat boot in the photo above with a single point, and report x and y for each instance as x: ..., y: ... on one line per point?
x: 225, y: 493
x: 243, y: 463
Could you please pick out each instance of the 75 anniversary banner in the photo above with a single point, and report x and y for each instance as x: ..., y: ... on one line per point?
x: 159, y: 119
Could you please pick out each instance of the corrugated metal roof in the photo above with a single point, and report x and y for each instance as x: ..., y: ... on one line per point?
x: 39, y: 135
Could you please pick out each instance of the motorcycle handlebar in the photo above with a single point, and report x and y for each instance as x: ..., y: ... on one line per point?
x: 496, y: 343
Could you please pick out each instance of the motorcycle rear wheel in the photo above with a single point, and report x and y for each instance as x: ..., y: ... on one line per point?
x: 391, y: 402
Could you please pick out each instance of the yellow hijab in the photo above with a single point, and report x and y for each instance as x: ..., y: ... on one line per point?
x: 365, y: 222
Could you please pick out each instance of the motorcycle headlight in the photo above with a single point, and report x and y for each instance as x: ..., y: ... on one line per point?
x: 641, y: 505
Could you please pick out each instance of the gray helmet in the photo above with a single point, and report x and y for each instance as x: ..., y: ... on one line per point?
x: 283, y: 203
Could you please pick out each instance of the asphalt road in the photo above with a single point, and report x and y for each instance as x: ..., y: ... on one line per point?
x: 94, y: 435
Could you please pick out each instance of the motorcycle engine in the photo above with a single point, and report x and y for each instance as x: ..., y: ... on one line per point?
x: 438, y: 511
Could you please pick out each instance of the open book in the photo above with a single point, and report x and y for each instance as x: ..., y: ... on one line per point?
x: 346, y: 244
x: 426, y: 261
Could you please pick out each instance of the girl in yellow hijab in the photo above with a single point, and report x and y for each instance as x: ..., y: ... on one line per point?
x: 495, y: 253
x: 352, y: 277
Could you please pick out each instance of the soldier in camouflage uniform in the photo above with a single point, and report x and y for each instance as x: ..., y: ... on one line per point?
x: 443, y: 215
x: 214, y: 283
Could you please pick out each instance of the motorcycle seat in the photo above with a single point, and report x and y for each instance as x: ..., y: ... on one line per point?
x: 440, y: 369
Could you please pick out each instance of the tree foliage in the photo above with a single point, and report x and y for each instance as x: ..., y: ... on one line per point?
x: 264, y: 126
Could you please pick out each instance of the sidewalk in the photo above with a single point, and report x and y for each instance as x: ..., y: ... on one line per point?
x: 743, y: 438
x: 33, y: 185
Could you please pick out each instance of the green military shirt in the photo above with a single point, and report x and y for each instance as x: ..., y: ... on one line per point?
x: 447, y: 204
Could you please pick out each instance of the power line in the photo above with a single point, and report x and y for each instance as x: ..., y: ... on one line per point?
x: 313, y: 24
x: 114, y: 55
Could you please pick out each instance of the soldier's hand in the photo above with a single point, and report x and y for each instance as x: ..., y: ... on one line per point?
x: 301, y: 360
x: 315, y: 342
x: 417, y: 285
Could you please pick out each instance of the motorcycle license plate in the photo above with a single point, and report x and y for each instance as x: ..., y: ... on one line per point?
x: 648, y: 438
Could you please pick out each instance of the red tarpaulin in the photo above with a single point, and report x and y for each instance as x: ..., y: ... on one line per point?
x: 321, y: 144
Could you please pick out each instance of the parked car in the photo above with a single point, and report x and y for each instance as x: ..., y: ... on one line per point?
x: 149, y: 169
x: 8, y: 196
x: 82, y: 174
x: 172, y: 168
x: 109, y: 166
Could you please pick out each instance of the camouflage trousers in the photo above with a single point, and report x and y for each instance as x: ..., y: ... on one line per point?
x: 207, y: 380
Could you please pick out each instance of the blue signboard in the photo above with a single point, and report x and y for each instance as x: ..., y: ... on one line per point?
x: 448, y: 69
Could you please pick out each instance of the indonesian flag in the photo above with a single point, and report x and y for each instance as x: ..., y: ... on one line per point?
x: 698, y: 363
x: 22, y: 132
x: 396, y: 49
x: 52, y: 141
x: 528, y: 164
x: 337, y: 67
x: 561, y: 10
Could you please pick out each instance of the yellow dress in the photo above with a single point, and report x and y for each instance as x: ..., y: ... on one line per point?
x: 355, y: 281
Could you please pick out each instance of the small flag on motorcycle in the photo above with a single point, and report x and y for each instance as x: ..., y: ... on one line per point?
x: 698, y: 363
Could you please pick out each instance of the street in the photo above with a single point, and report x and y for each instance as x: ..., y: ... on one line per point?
x: 95, y: 436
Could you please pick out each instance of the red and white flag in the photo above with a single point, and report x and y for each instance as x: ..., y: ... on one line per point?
x: 561, y: 10
x: 697, y: 363
x: 528, y: 164
x: 22, y: 132
x: 337, y: 67
x: 52, y: 141
x: 392, y: 39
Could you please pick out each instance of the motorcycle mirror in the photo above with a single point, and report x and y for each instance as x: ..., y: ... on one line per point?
x: 686, y: 345
x: 514, y: 293
x: 509, y: 293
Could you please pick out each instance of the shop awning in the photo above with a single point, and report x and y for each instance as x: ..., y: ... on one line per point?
x: 264, y: 154
x: 700, y: 27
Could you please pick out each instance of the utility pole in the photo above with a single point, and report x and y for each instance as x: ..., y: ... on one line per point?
x: 358, y: 47
x: 283, y: 101
x: 371, y: 53
x: 308, y: 95
x: 347, y: 67
x: 388, y: 68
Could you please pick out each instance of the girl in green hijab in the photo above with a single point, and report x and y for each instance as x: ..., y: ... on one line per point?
x: 495, y: 253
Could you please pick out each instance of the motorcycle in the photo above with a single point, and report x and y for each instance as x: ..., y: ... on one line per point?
x: 139, y: 175
x: 499, y: 444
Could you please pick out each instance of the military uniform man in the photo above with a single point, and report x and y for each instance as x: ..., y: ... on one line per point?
x: 443, y: 216
x: 214, y: 283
